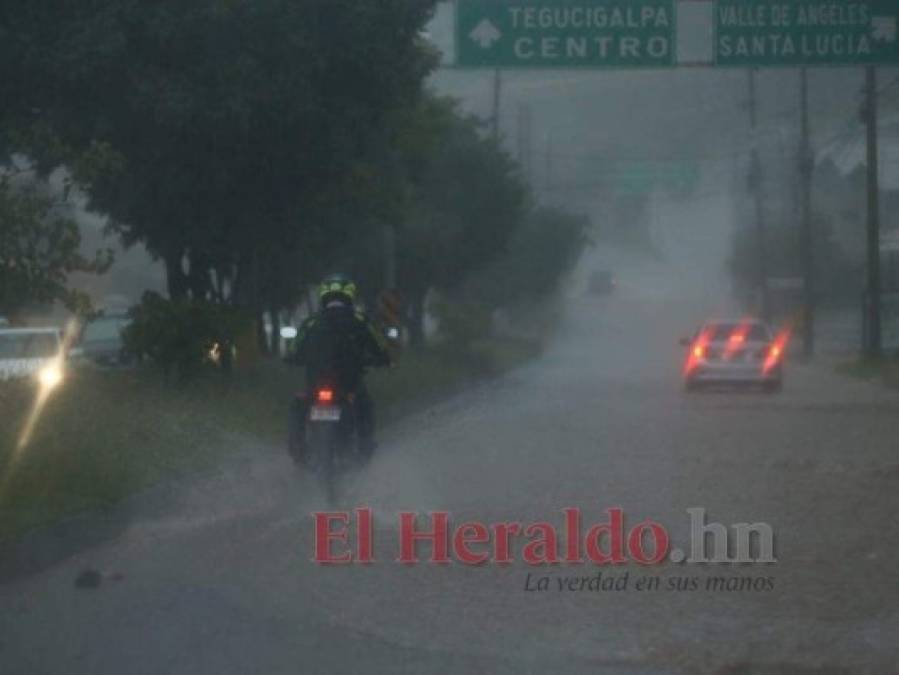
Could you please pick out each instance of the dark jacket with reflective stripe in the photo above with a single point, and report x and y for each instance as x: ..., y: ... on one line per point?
x: 336, y: 345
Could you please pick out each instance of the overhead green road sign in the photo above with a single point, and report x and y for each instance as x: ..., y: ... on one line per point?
x: 565, y: 33
x: 644, y: 177
x: 806, y: 32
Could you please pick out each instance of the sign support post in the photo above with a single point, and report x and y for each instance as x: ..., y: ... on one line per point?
x: 755, y: 185
x: 873, y: 346
x: 806, y: 235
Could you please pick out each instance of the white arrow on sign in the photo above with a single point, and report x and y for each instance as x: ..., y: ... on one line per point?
x: 883, y: 28
x: 485, y: 34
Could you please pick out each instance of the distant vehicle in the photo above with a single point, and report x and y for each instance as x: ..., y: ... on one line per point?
x: 602, y: 282
x: 31, y: 352
x: 101, y: 341
x: 739, y: 352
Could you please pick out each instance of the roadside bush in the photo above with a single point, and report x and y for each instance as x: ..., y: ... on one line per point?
x: 183, y: 336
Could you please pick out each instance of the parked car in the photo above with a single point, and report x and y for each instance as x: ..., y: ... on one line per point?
x: 32, y: 353
x: 101, y: 341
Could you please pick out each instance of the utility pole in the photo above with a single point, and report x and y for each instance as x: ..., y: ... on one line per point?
x: 497, y: 99
x: 525, y: 141
x: 873, y: 344
x: 528, y: 144
x: 806, y: 236
x: 548, y: 184
x: 755, y: 185
x: 521, y: 142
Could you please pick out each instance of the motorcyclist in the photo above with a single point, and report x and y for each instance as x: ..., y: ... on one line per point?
x: 335, y: 345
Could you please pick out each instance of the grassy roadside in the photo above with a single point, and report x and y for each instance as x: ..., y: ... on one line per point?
x: 884, y: 371
x: 108, y: 434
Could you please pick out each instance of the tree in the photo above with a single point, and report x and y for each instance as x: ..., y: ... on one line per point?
x: 247, y: 133
x: 547, y: 245
x: 468, y: 199
x: 39, y: 248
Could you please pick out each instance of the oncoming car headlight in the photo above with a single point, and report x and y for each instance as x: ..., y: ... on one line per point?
x: 50, y: 376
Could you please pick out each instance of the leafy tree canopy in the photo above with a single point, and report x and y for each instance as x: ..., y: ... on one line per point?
x: 234, y: 135
x: 39, y: 248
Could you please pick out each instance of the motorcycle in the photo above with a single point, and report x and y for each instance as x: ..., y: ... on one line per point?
x: 323, y: 427
x: 328, y: 442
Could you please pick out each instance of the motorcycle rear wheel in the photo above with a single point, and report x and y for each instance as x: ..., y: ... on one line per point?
x: 323, y: 444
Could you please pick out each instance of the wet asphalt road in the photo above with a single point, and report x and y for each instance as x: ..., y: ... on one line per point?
x: 216, y: 577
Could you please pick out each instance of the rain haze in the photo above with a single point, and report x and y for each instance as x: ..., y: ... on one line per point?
x: 481, y: 336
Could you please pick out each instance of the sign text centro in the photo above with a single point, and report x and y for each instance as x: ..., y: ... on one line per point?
x: 565, y: 33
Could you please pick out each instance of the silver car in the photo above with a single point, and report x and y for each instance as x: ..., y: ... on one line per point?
x: 735, y: 352
x: 31, y: 353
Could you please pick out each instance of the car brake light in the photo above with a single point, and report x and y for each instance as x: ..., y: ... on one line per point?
x: 697, y: 352
x: 776, y: 351
x: 737, y: 339
x: 325, y: 395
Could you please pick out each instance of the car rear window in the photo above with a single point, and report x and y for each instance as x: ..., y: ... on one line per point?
x: 754, y: 332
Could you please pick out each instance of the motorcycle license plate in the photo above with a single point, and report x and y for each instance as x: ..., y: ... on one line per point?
x: 322, y: 413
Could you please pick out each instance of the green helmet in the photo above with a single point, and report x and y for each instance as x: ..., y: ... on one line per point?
x: 337, y: 286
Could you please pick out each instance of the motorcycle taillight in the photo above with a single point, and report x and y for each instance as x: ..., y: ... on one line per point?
x: 325, y: 395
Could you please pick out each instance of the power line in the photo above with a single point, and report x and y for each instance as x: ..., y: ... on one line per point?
x: 589, y: 157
